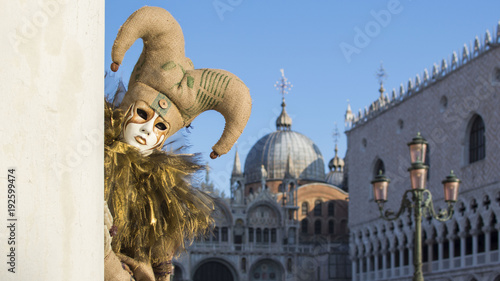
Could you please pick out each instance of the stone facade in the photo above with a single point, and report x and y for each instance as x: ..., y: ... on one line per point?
x: 282, y: 222
x: 442, y: 107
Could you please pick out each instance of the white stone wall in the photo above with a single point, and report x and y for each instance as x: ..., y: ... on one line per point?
x: 52, y: 135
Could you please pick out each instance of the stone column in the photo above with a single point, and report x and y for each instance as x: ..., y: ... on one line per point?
x: 393, y: 261
x: 451, y: 248
x: 428, y: 243
x: 475, y: 234
x: 401, y: 259
x: 487, y: 242
x: 440, y: 256
x: 462, y: 236
x: 368, y: 264
x: 354, y: 268
x: 384, y: 264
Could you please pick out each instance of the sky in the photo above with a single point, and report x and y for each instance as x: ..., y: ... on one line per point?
x: 330, y: 52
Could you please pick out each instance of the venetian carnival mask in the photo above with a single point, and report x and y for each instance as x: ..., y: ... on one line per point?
x: 143, y: 128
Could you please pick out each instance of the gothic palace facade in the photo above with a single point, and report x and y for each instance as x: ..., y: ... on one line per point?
x: 457, y: 109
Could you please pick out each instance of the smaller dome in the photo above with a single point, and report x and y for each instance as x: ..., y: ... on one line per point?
x: 284, y: 121
x: 335, y: 178
x: 337, y: 163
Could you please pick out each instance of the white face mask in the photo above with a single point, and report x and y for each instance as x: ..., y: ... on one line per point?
x: 144, y: 128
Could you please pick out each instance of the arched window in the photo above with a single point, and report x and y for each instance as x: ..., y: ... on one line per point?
x: 177, y: 274
x: 493, y: 234
x: 379, y: 166
x: 343, y: 227
x: 244, y: 265
x: 331, y: 209
x: 406, y: 252
x: 481, y: 238
x: 305, y: 208
x: 289, y: 265
x: 331, y: 228
x: 213, y: 270
x: 317, y: 208
x: 304, y: 226
x: 224, y: 235
x: 266, y: 235
x: 317, y: 227
x: 477, y: 141
x: 273, y: 235
x: 259, y: 235
x: 397, y: 253
x: 456, y: 241
x: 250, y: 234
x: 215, y: 237
x: 468, y: 238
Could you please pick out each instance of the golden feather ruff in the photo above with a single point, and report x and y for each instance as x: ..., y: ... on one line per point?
x: 153, y: 205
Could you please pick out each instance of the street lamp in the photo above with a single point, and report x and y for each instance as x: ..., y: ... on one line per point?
x: 420, y: 200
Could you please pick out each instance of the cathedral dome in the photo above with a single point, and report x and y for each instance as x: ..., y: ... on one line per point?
x: 284, y: 153
x: 274, y: 150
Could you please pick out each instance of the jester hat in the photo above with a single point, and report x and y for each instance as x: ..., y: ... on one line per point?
x: 166, y: 79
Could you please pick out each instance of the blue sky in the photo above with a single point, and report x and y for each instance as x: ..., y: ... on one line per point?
x: 330, y: 51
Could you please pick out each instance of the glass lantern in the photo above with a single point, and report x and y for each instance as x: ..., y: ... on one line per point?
x: 450, y: 185
x: 418, y: 147
x: 418, y: 175
x: 380, y: 185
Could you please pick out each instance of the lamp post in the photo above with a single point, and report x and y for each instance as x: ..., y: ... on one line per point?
x: 417, y: 199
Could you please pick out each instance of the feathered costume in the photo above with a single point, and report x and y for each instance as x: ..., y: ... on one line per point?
x: 152, y: 203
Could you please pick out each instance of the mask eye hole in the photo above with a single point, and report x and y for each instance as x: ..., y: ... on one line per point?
x: 161, y: 126
x: 143, y: 114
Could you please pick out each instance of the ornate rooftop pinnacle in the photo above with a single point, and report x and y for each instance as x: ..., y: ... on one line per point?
x: 349, y: 116
x: 284, y: 121
x: 381, y: 76
x: 349, y: 110
x: 336, y: 164
x: 237, y: 165
x: 207, y: 185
